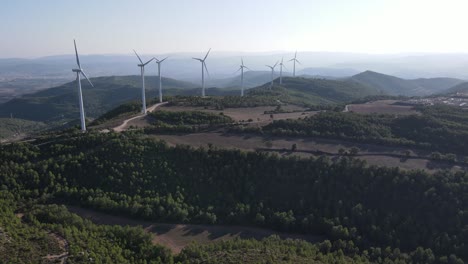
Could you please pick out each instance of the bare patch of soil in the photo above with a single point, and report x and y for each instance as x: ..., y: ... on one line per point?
x: 382, y: 107
x: 178, y: 236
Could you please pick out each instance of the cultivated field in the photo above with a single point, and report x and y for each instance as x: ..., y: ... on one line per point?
x: 178, y: 236
x: 382, y: 107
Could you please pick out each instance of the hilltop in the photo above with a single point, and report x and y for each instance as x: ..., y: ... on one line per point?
x: 392, y: 85
x: 307, y: 91
x: 61, y: 102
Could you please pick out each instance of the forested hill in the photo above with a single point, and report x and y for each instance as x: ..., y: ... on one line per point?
x: 62, y: 102
x: 392, y: 85
x: 370, y: 207
x: 314, y: 91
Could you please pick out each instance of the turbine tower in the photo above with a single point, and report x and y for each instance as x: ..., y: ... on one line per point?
x: 241, y: 68
x: 272, y: 73
x: 203, y: 68
x: 79, y: 71
x: 160, y: 79
x: 142, y: 68
x: 294, y: 60
x: 281, y: 71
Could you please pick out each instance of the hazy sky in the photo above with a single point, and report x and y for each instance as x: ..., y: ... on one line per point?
x: 33, y: 28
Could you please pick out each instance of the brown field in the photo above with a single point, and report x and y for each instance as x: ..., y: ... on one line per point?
x: 178, y: 236
x: 244, y: 114
x: 306, y: 147
x: 382, y: 107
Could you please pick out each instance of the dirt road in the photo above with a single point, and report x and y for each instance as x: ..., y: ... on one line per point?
x: 123, y: 126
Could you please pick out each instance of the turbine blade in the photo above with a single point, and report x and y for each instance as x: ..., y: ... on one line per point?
x: 275, y: 64
x: 198, y: 59
x: 240, y: 68
x: 248, y: 68
x: 86, y: 77
x: 242, y: 61
x: 76, y: 53
x: 284, y: 67
x: 206, y: 68
x: 148, y: 62
x: 207, y: 54
x: 298, y: 62
x: 163, y: 59
x: 138, y: 56
x: 295, y: 55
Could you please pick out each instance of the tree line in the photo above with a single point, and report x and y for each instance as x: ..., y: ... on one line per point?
x: 344, y: 200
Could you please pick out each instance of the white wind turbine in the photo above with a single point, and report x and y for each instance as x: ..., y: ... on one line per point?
x: 160, y: 79
x: 142, y: 67
x: 79, y: 71
x: 294, y: 60
x: 281, y: 71
x: 272, y: 73
x: 241, y: 68
x: 203, y: 68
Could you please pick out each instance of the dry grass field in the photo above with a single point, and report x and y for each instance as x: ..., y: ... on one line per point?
x: 382, y: 107
x: 257, y: 114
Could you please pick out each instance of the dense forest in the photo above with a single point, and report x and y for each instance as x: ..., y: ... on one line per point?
x: 346, y: 200
x: 439, y: 128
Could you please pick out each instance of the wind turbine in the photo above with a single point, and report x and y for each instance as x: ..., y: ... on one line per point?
x: 294, y: 60
x: 241, y: 68
x: 203, y: 68
x: 281, y: 71
x: 272, y: 73
x: 79, y: 71
x: 142, y: 67
x: 160, y: 79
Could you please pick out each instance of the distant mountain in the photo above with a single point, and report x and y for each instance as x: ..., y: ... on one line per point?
x: 61, y: 103
x: 392, y: 85
x: 328, y: 72
x: 316, y: 91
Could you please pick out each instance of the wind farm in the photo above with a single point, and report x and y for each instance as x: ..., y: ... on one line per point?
x: 316, y: 132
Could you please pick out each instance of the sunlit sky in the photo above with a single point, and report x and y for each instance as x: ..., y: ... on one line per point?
x: 33, y: 28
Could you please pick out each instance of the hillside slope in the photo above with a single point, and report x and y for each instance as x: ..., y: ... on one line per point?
x: 391, y: 85
x: 315, y: 91
x: 459, y: 88
x: 61, y: 102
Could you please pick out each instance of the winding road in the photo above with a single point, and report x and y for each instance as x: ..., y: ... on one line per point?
x: 123, y: 126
